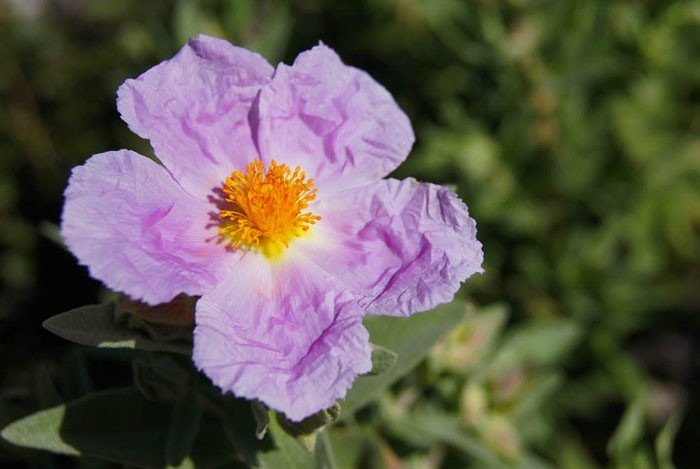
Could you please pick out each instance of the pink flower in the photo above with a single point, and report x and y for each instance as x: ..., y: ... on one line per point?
x: 270, y: 205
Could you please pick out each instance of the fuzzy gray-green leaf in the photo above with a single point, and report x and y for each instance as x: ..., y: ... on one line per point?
x: 95, y: 325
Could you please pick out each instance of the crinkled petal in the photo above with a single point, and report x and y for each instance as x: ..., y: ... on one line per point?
x: 197, y: 110
x: 403, y: 246
x: 337, y: 123
x: 283, y: 334
x: 136, y: 230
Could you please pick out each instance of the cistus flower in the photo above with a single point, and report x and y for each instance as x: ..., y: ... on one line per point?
x: 270, y: 206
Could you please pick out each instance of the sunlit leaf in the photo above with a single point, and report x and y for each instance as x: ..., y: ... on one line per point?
x: 288, y: 452
x: 664, y: 442
x: 115, y: 425
x: 629, y: 432
x: 118, y: 425
x: 410, y: 338
x: 543, y: 343
x: 428, y: 428
x: 41, y: 430
x: 324, y: 452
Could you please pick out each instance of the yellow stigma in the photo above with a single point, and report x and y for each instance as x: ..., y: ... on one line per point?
x: 266, y: 211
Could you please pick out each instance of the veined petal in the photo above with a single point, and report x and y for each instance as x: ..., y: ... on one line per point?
x: 197, y: 110
x: 286, y: 267
x: 138, y: 231
x: 403, y: 246
x: 337, y: 123
x: 282, y: 333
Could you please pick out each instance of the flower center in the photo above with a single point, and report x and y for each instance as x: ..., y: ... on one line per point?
x: 267, y: 208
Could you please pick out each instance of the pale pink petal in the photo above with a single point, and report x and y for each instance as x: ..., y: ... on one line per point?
x: 138, y: 231
x: 337, y: 123
x: 401, y: 246
x: 287, y: 331
x: 281, y: 333
x: 197, y: 109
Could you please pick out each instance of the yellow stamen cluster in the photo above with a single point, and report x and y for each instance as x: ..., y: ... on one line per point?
x: 265, y: 211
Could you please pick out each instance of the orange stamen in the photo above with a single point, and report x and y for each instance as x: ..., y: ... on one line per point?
x: 267, y: 209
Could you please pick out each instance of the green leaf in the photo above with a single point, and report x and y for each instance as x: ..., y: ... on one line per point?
x: 46, y: 392
x: 117, y: 425
x: 541, y: 344
x: 75, y: 377
x: 664, y: 442
x: 628, y: 434
x: 382, y: 360
x: 241, y: 425
x: 410, y: 338
x: 186, y: 20
x: 52, y: 232
x: 40, y: 431
x: 427, y: 428
x: 622, y: 371
x: 211, y: 446
x: 324, y: 452
x: 159, y: 377
x: 95, y: 325
x: 289, y: 454
x: 350, y: 444
x: 536, y: 397
x: 262, y: 418
x: 273, y: 41
x: 466, y: 345
x: 183, y: 428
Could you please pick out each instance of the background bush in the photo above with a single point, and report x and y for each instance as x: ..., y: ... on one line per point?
x: 570, y: 127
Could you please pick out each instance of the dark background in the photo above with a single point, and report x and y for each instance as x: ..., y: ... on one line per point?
x: 570, y: 128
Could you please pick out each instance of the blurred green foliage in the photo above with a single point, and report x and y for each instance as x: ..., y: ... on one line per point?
x: 570, y: 127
